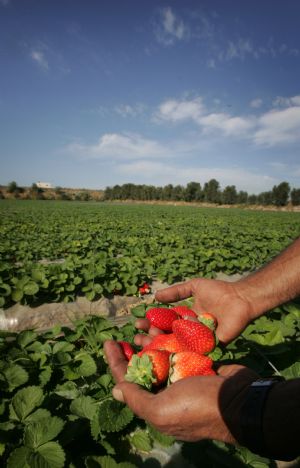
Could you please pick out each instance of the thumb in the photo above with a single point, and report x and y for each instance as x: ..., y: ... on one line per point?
x: 140, y: 401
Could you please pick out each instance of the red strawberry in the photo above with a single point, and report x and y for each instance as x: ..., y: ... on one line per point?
x: 188, y: 364
x: 152, y: 368
x: 144, y: 289
x: 194, y: 335
x: 127, y: 349
x: 208, y: 319
x: 161, y: 317
x: 167, y: 342
x: 184, y: 311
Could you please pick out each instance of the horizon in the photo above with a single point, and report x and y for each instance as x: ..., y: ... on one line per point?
x: 103, y: 94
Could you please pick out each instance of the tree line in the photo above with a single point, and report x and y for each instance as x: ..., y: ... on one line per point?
x: 210, y: 192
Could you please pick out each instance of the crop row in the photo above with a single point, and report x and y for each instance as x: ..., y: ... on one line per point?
x: 55, y: 251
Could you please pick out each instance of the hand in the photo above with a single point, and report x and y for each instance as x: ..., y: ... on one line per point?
x: 191, y: 409
x: 220, y: 298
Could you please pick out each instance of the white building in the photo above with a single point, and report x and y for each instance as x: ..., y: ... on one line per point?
x: 44, y: 185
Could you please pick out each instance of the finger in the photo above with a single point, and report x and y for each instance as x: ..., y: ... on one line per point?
x: 140, y: 401
x: 142, y: 324
x: 116, y: 360
x: 142, y: 340
x: 176, y: 293
x: 154, y: 331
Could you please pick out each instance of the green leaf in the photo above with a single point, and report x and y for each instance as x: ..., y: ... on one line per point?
x: 30, y: 288
x: 111, y: 416
x: 40, y: 413
x: 15, y: 376
x: 68, y: 390
x: 84, y: 407
x: 17, y: 295
x: 84, y: 364
x: 26, y: 337
x: 62, y: 346
x: 26, y: 400
x: 101, y: 462
x: 139, y: 311
x: 162, y: 439
x: 49, y: 455
x: 141, y: 441
x: 42, y: 431
x: 105, y: 380
x: 45, y: 375
x: 18, y: 458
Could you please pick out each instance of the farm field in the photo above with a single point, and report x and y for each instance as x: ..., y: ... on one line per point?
x: 53, y: 251
x: 56, y: 408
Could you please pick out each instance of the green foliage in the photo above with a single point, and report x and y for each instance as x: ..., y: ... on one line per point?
x: 56, y: 251
x: 57, y: 408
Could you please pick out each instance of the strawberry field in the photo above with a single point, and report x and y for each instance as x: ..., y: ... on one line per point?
x: 54, y: 251
x: 56, y: 408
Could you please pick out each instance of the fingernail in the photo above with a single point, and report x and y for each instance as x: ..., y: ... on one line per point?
x: 117, y: 394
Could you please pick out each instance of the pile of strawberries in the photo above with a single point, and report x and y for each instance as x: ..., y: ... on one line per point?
x: 181, y: 351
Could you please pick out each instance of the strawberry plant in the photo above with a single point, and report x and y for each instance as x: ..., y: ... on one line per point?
x: 57, y: 408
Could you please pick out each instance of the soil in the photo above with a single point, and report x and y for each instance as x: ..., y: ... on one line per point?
x: 117, y: 308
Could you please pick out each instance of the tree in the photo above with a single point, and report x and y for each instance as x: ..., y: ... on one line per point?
x: 242, y: 197
x: 281, y: 194
x: 193, y: 192
x: 211, y: 191
x: 295, y: 197
x: 252, y: 199
x: 14, y: 189
x: 229, y: 195
x: 265, y: 198
x: 36, y: 192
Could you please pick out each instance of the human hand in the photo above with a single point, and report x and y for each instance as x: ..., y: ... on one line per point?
x: 191, y: 409
x: 222, y: 299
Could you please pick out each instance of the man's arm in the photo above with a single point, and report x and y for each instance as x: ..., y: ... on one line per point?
x: 275, y: 283
x: 236, y: 304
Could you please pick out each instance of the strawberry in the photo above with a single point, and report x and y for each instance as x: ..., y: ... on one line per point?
x: 144, y: 289
x: 188, y: 364
x: 152, y: 368
x: 208, y: 319
x: 127, y: 349
x: 161, y: 317
x: 166, y: 342
x: 194, y: 335
x: 184, y: 311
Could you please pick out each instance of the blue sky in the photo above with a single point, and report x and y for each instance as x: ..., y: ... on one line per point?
x: 95, y: 93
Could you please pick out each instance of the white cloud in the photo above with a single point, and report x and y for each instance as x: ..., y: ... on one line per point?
x: 239, y: 49
x: 118, y: 147
x: 228, y: 125
x: 256, y: 103
x: 278, y: 127
x: 39, y: 57
x: 281, y: 101
x: 275, y: 127
x: 170, y: 28
x: 177, y: 111
x: 127, y: 110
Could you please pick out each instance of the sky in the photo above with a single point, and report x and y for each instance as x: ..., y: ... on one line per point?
x: 95, y: 93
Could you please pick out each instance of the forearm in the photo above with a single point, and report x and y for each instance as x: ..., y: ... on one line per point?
x: 280, y: 416
x: 274, y: 284
x: 281, y: 420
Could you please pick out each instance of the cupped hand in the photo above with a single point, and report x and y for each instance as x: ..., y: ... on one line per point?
x: 220, y: 298
x: 204, y: 407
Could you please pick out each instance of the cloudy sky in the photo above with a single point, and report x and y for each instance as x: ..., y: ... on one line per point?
x: 99, y: 92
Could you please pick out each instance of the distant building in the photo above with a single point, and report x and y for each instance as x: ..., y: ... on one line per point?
x: 44, y: 185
